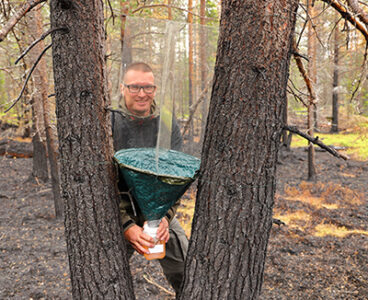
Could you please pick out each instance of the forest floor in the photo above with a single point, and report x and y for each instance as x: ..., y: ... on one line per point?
x: 317, y: 250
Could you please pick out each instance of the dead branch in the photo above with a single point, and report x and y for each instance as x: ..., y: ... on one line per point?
x: 193, y: 107
x: 112, y: 12
x: 357, y: 10
x: 29, y: 76
x: 363, y: 76
x: 295, y: 53
x: 348, y: 16
x: 42, y: 37
x: 302, y: 70
x: 296, y: 97
x: 311, y: 20
x: 315, y: 141
x: 26, y: 7
x: 150, y: 280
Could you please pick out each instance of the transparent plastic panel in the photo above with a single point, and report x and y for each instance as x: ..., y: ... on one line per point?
x: 182, y: 57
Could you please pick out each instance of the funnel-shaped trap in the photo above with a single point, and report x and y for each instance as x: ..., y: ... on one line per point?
x: 157, y: 179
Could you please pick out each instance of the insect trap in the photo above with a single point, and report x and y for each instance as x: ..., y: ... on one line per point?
x: 182, y: 58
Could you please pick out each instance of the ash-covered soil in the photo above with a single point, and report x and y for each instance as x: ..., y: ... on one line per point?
x: 318, y: 247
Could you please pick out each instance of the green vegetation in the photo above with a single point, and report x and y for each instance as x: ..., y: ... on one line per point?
x: 356, y: 143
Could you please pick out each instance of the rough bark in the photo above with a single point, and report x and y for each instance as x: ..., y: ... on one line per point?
x: 236, y: 187
x: 97, y: 254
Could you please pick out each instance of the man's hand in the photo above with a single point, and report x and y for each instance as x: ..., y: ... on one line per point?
x: 163, y: 231
x: 139, y: 240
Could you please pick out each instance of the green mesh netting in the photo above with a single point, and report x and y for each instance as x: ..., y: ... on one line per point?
x: 157, y: 184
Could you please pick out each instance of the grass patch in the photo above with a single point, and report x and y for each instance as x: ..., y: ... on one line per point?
x: 356, y: 143
x: 323, y: 230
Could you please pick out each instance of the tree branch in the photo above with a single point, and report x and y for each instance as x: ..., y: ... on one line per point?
x: 296, y: 97
x: 112, y: 12
x: 150, y: 280
x: 302, y: 70
x: 26, y: 7
x: 348, y: 16
x: 363, y: 75
x: 363, y: 16
x: 28, y: 76
x: 315, y: 141
x: 42, y: 37
x: 193, y: 107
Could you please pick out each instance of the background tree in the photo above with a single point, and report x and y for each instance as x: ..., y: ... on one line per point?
x: 191, y: 74
x: 335, y: 80
x: 233, y: 214
x: 40, y: 166
x: 97, y: 260
x: 312, y: 74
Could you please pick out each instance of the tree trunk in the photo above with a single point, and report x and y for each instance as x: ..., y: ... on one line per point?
x: 284, y: 136
x: 127, y: 58
x: 236, y: 187
x: 335, y: 84
x: 169, y: 10
x: 312, y: 74
x: 24, y: 109
x: 45, y: 131
x: 97, y: 253
x: 40, y: 169
x: 203, y: 62
x: 190, y: 66
x: 40, y: 166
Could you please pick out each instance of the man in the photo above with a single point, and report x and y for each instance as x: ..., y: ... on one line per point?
x: 136, y: 126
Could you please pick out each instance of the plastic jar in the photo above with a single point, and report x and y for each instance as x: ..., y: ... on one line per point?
x: 159, y: 250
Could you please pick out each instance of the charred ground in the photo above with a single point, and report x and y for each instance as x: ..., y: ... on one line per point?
x: 318, y: 248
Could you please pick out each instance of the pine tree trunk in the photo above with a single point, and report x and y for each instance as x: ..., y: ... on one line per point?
x: 236, y: 188
x: 335, y: 84
x: 40, y: 166
x: 97, y: 253
x: 203, y: 62
x: 43, y: 111
x: 312, y: 97
x: 190, y: 67
x: 284, y: 136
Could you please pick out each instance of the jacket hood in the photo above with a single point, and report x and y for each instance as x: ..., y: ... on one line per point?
x: 153, y: 113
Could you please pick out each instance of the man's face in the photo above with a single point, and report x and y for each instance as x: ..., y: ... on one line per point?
x: 138, y: 103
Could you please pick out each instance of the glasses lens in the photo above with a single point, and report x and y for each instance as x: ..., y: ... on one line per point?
x: 149, y: 89
x: 134, y: 88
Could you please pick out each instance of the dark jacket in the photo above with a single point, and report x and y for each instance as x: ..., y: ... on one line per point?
x: 134, y: 132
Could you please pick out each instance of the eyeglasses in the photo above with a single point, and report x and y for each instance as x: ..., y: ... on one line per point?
x: 135, y: 89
